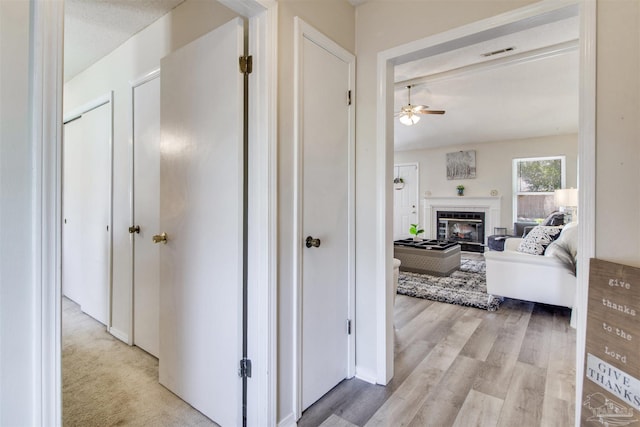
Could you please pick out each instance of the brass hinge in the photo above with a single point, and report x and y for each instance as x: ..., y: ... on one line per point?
x: 245, y: 368
x: 349, y: 97
x: 246, y: 64
x: 348, y: 326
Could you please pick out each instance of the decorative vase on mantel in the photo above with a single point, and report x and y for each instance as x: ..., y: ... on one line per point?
x: 460, y: 189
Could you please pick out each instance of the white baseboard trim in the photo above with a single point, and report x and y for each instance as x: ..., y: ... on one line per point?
x: 366, y: 375
x: 288, y: 421
x: 120, y: 335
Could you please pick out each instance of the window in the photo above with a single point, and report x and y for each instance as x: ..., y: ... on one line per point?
x: 534, y: 181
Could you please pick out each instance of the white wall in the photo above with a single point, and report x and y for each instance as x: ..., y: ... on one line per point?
x: 618, y: 132
x: 17, y: 274
x: 494, y: 168
x: 336, y: 19
x: 133, y: 59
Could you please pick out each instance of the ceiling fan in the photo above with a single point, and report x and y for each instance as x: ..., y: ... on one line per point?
x: 410, y: 114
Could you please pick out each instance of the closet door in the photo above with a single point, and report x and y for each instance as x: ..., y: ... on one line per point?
x: 146, y: 214
x: 87, y: 211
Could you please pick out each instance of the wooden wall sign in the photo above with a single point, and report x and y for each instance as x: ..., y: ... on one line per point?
x: 611, y: 387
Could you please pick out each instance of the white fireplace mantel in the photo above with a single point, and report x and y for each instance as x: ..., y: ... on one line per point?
x: 490, y: 205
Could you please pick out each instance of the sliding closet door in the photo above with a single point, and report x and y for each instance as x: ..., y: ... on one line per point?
x: 87, y: 211
x: 201, y: 212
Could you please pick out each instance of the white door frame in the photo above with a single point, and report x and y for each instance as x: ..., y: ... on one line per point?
x: 586, y: 158
x: 77, y: 113
x: 46, y: 75
x: 303, y: 30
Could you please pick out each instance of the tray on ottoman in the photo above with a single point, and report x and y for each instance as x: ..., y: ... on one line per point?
x: 436, y: 257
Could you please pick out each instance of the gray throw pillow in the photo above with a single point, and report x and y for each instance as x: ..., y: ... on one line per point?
x: 538, y: 239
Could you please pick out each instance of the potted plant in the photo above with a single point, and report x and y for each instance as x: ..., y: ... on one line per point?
x: 398, y: 183
x: 460, y: 189
x: 416, y: 230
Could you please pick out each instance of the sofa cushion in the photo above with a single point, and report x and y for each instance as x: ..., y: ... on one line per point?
x: 568, y: 239
x: 538, y: 239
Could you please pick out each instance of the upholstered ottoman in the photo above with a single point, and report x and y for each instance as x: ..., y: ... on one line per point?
x: 438, y: 258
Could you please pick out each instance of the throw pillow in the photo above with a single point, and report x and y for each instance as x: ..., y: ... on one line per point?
x: 538, y: 239
x: 555, y: 218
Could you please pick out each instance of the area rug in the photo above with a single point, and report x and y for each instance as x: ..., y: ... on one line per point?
x: 466, y: 286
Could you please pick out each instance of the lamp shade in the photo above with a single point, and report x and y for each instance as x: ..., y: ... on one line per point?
x: 566, y: 197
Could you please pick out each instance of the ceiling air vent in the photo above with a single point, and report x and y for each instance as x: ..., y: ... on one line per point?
x: 498, y: 52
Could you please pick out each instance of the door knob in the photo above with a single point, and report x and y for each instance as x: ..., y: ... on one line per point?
x: 134, y: 229
x: 160, y: 238
x: 311, y: 242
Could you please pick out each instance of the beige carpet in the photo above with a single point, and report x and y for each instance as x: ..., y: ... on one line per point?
x: 107, y: 383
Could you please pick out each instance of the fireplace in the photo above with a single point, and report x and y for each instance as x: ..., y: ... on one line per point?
x: 466, y: 228
x: 488, y: 205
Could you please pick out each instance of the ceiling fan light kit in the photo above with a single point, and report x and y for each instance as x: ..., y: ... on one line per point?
x: 410, y: 114
x: 409, y: 119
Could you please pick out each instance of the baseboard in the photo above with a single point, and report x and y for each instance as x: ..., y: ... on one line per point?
x: 119, y: 334
x: 366, y: 375
x: 288, y: 421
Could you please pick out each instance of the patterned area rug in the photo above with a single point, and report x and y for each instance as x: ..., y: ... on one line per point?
x: 467, y: 286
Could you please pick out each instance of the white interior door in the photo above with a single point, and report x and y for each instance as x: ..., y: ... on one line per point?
x: 146, y: 215
x: 72, y: 172
x: 87, y: 215
x: 201, y: 211
x: 405, y: 200
x: 326, y: 141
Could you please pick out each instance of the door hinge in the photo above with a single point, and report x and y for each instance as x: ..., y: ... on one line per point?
x: 348, y: 326
x: 246, y: 64
x: 245, y: 368
x: 349, y: 97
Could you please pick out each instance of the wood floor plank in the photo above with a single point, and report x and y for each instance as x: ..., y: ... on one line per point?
x: 336, y: 421
x: 536, y: 344
x: 431, y: 325
x: 481, y: 342
x: 442, y: 407
x: 557, y: 412
x: 500, y: 363
x: 479, y: 410
x: 333, y: 402
x: 561, y: 371
x: 402, y: 406
x: 437, y: 348
x: 407, y: 308
x: 525, y: 397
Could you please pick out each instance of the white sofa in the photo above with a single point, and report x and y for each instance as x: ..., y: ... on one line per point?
x: 536, y: 278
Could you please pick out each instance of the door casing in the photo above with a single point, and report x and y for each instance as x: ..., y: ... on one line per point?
x: 586, y: 9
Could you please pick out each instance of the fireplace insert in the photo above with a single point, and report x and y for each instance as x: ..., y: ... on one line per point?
x: 466, y: 228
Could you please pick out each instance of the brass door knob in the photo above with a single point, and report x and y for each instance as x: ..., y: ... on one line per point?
x: 312, y: 243
x: 160, y: 238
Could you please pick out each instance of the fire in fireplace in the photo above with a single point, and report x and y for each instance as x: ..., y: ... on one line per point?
x: 466, y: 228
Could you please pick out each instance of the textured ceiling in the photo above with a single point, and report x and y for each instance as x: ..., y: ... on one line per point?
x: 512, y: 101
x: 94, y: 28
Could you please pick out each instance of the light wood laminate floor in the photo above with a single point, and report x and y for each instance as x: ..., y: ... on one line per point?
x: 460, y: 366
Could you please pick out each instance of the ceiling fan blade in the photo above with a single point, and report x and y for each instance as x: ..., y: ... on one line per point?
x: 418, y: 108
x: 430, y: 112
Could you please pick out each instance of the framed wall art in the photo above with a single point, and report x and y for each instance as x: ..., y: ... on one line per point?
x: 461, y: 165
